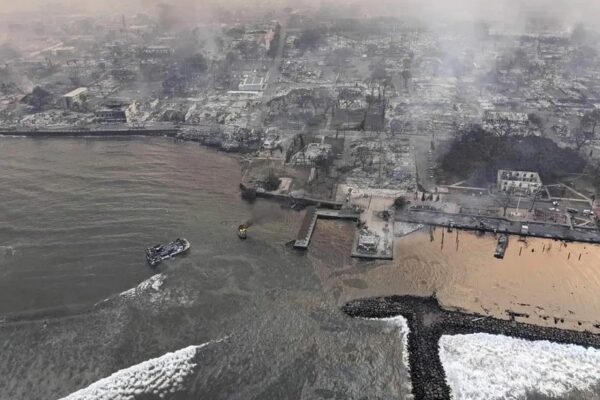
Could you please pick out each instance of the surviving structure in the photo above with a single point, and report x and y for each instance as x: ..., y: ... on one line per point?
x: 519, y: 182
x: 74, y: 99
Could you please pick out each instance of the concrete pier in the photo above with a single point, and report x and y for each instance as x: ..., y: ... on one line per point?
x: 383, y: 229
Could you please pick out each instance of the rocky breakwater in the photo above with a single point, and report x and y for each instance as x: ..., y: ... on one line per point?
x: 428, y: 322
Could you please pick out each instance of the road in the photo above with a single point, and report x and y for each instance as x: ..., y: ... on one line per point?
x: 494, y: 224
x: 275, y: 71
x: 273, y: 74
x: 95, y: 130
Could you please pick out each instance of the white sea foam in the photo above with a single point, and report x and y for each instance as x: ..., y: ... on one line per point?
x: 7, y: 251
x: 158, y: 377
x: 484, y: 366
x: 403, y: 329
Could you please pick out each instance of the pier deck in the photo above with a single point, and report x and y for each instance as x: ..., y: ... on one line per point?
x: 307, y: 228
x: 338, y: 214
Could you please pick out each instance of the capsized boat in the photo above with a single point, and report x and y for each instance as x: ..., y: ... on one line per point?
x: 501, y: 246
x: 160, y: 252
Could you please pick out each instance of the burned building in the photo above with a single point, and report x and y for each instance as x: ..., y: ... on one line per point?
x: 505, y: 122
x: 311, y: 153
x: 252, y: 83
x: 155, y: 51
x: 113, y: 111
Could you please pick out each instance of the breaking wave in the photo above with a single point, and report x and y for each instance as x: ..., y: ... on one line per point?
x: 7, y: 251
x: 154, y: 378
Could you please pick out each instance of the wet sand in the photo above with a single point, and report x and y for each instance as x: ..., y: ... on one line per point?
x: 544, y: 282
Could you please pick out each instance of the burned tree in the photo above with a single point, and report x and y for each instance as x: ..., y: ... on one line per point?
x: 581, y: 138
x: 381, y: 81
x: 400, y: 203
x: 536, y: 121
x: 589, y: 122
x: 363, y: 155
x: 406, y: 76
x: 271, y: 182
x: 323, y: 162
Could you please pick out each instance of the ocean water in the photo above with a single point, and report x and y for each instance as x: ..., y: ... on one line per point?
x: 75, y: 217
x: 76, y: 214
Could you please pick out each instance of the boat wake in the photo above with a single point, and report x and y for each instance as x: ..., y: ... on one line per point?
x: 7, y: 251
x: 154, y: 283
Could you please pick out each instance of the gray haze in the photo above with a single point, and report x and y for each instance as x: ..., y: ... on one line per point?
x: 509, y: 11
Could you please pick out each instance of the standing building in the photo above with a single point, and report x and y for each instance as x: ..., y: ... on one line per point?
x: 75, y: 98
x: 519, y: 182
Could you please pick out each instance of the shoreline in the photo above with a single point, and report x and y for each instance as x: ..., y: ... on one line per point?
x: 428, y: 321
x: 497, y: 225
x: 114, y: 131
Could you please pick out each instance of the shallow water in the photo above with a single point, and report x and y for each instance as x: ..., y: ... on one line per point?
x: 553, y: 283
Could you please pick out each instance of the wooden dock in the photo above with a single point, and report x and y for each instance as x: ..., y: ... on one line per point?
x: 385, y: 250
x: 307, y: 228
